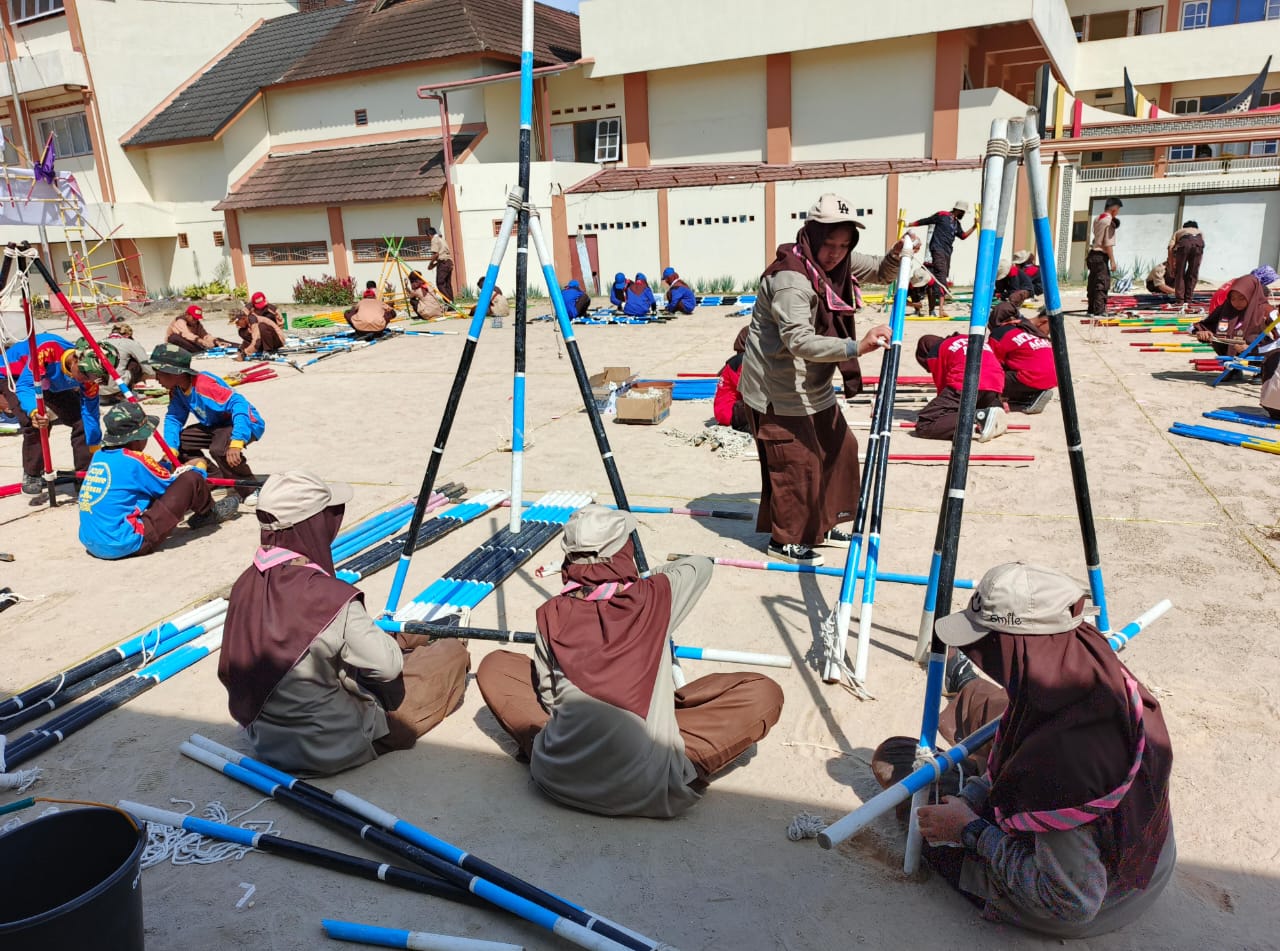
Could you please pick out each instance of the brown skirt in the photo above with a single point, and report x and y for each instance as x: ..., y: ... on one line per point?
x: 809, y: 477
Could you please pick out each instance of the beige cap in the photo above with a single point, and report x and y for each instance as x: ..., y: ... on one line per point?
x: 293, y: 497
x: 962, y: 206
x: 1002, y: 270
x: 921, y: 277
x: 831, y: 209
x: 1021, y: 257
x: 1016, y: 598
x: 596, y: 533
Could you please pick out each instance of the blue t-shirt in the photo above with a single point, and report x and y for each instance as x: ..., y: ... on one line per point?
x: 119, y: 485
x: 214, y: 404
x: 51, y: 348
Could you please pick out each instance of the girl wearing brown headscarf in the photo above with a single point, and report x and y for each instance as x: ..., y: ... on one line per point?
x: 728, y: 407
x: 802, y: 329
x: 1069, y: 832
x: 1247, y: 312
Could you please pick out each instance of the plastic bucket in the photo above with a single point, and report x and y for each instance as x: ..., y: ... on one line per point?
x: 72, y: 881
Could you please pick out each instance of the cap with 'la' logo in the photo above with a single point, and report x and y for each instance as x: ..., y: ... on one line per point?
x: 1017, y: 598
x: 831, y: 209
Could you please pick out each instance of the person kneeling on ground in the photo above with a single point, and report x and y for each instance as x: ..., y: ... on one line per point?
x: 257, y: 334
x: 259, y: 307
x: 133, y: 364
x: 944, y: 358
x: 498, y: 306
x: 618, y: 290
x: 129, y: 502
x: 1270, y: 395
x: 924, y: 286
x: 425, y: 303
x: 728, y: 406
x: 1264, y: 273
x: 680, y: 297
x: 1156, y: 281
x: 639, y: 300
x: 576, y: 301
x: 1069, y: 831
x: 1023, y: 348
x: 1247, y: 312
x: 317, y: 687
x: 369, y: 317
x: 188, y: 332
x: 226, y: 421
x: 596, y: 711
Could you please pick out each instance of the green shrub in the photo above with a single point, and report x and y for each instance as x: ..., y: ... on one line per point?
x: 241, y: 292
x: 326, y: 289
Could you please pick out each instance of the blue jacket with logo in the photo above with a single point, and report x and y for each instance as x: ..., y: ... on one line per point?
x: 51, y: 348
x: 118, y: 487
x: 680, y: 298
x: 215, y: 404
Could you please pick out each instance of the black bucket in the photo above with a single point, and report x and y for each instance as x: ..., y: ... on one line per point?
x: 72, y: 881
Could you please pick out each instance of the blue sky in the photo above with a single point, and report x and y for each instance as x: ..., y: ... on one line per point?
x: 571, y: 5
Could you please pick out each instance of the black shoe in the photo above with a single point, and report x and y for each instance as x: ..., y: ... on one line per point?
x: 32, y: 485
x: 795, y: 554
x: 219, y: 512
x: 836, y: 539
x: 958, y: 673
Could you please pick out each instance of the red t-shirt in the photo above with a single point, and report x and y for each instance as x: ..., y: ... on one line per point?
x: 947, y: 367
x: 727, y: 395
x: 1026, y: 353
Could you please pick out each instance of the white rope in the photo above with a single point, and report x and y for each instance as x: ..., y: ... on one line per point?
x: 20, y: 781
x: 180, y: 847
x: 806, y: 826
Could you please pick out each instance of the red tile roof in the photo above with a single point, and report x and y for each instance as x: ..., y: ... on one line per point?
x: 413, y: 31
x: 741, y: 173
x: 395, y: 170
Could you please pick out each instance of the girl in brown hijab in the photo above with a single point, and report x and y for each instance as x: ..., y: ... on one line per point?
x: 1069, y: 831
x: 802, y: 329
x: 1247, y: 312
x: 316, y: 685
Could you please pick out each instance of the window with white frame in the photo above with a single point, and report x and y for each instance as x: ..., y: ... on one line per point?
x: 608, y: 139
x: 21, y: 10
x: 70, y: 135
x: 1182, y: 153
x: 1270, y: 97
x: 1195, y: 14
x: 1269, y: 147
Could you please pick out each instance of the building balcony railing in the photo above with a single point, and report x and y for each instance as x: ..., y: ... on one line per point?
x: 1111, y: 173
x: 1225, y: 165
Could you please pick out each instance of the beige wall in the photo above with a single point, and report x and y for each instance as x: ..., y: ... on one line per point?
x: 318, y: 111
x: 270, y: 227
x: 977, y: 108
x: 383, y: 219
x: 752, y: 28
x: 702, y: 251
x: 1182, y: 56
x: 572, y: 89
x: 626, y: 250
x: 874, y: 100
x: 923, y: 194
x: 865, y: 193
x: 500, y: 109
x: 708, y: 113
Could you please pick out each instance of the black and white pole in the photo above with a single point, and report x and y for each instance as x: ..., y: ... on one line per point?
x: 1062, y: 363
x: 951, y: 512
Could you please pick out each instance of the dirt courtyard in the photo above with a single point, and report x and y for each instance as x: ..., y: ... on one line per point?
x: 1176, y: 518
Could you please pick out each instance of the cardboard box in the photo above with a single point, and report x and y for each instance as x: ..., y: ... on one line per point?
x: 645, y: 406
x: 621, y: 377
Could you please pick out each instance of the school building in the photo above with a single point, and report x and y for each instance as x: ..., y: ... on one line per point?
x: 303, y: 140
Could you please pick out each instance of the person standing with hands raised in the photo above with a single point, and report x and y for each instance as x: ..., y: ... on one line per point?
x: 802, y: 329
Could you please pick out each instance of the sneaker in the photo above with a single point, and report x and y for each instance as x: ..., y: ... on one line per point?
x: 959, y: 672
x: 990, y: 423
x: 252, y: 500
x: 836, y: 539
x: 32, y: 485
x: 217, y: 513
x: 1038, y: 404
x: 795, y: 554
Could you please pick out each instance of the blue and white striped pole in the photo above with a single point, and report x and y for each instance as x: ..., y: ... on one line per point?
x: 1062, y: 362
x: 413, y: 940
x: 515, y: 200
x: 888, y: 384
x: 927, y: 774
x: 522, y: 261
x: 951, y: 512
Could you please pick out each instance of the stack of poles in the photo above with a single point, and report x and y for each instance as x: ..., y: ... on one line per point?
x: 1225, y: 437
x: 160, y: 652
x: 870, y: 512
x: 950, y: 515
x: 1247, y: 419
x: 467, y: 873
x: 886, y: 576
x: 939, y: 764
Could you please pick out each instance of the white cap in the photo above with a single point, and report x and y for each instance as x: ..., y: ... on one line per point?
x: 1016, y: 598
x: 961, y: 206
x: 293, y: 497
x: 831, y: 209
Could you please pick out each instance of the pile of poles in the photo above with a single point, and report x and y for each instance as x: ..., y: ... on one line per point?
x: 441, y: 869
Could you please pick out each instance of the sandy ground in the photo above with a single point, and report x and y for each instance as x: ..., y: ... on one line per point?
x: 1176, y: 518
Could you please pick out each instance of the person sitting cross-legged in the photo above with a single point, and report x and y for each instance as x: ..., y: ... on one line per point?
x: 596, y: 712
x: 129, y: 502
